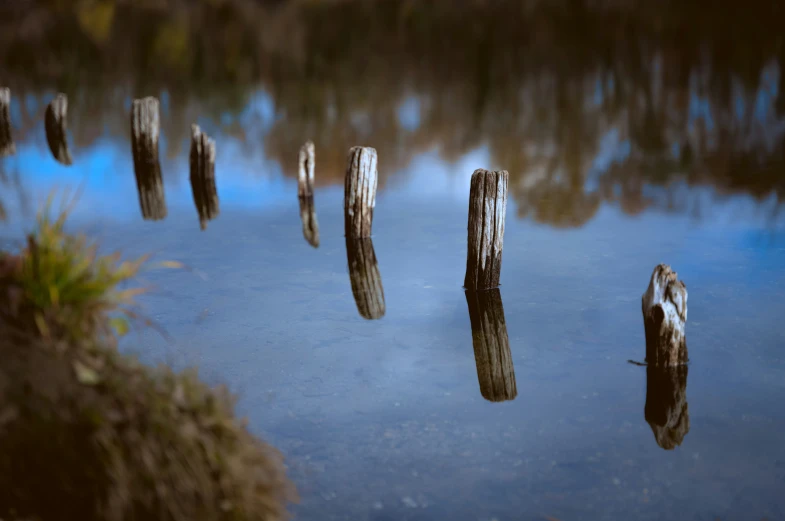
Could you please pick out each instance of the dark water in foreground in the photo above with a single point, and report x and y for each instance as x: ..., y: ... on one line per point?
x: 384, y: 419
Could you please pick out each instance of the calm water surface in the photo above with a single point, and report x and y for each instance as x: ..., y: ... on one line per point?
x: 385, y: 419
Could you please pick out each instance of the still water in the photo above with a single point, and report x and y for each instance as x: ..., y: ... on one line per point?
x: 613, y: 169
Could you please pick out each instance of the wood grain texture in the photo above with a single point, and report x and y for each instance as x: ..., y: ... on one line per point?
x: 147, y: 168
x: 365, y: 278
x: 664, y: 307
x: 202, y: 163
x: 7, y: 146
x: 495, y: 369
x: 310, y: 223
x: 666, y: 409
x: 305, y: 174
x: 305, y: 184
x: 55, y: 123
x: 487, y: 210
x: 360, y: 191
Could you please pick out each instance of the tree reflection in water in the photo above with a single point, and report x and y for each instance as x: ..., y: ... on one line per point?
x: 602, y: 103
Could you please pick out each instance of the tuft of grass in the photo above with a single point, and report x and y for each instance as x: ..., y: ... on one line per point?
x: 89, y: 433
x: 69, y: 288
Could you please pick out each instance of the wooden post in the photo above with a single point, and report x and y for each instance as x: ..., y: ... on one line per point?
x: 365, y: 278
x: 305, y: 182
x: 360, y: 192
x: 202, y: 160
x: 7, y: 146
x: 495, y: 370
x: 55, y: 122
x: 664, y: 308
x: 305, y: 176
x: 666, y: 409
x: 487, y: 209
x: 147, y: 169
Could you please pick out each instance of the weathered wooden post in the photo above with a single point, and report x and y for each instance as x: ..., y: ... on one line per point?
x: 305, y: 175
x: 487, y: 208
x: 495, y: 370
x: 202, y: 162
x: 666, y: 409
x: 365, y: 278
x: 144, y: 147
x: 55, y: 123
x: 360, y: 192
x: 664, y: 308
x: 305, y: 182
x: 7, y: 146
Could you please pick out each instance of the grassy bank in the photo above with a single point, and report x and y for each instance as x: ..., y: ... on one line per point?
x: 89, y: 433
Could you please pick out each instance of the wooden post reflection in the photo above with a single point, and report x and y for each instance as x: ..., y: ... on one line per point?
x: 202, y: 166
x: 310, y: 224
x: 147, y: 169
x: 365, y: 278
x: 495, y: 370
x: 666, y: 408
x: 55, y: 121
x: 305, y: 181
x: 7, y: 146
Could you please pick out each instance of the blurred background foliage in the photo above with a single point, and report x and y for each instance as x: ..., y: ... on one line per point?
x: 694, y: 88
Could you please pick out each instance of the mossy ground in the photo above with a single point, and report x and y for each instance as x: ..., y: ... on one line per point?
x: 89, y: 433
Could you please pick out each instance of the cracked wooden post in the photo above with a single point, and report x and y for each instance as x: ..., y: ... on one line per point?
x: 487, y: 209
x: 55, y: 123
x: 144, y: 148
x: 495, y: 369
x: 664, y: 308
x: 202, y: 162
x: 360, y: 192
x: 666, y: 409
x: 7, y: 146
x: 365, y: 278
x: 305, y: 183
